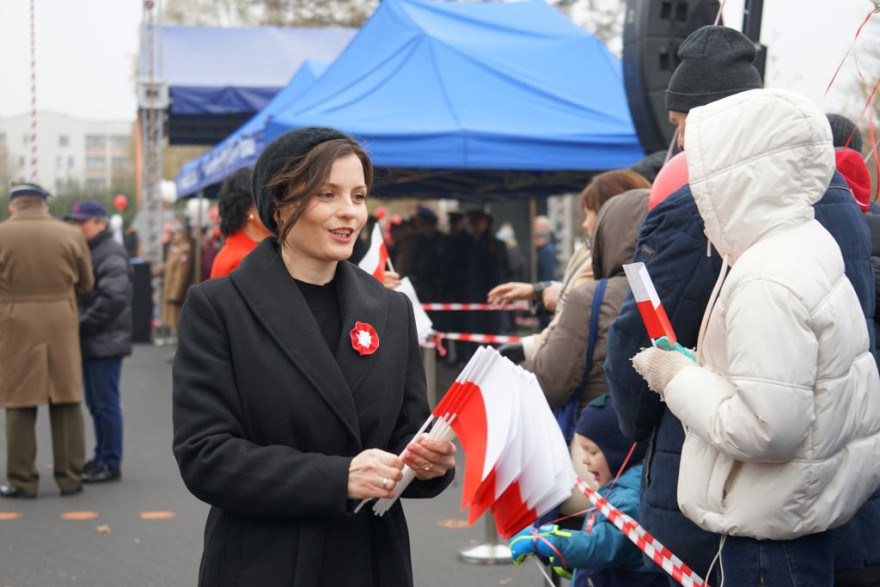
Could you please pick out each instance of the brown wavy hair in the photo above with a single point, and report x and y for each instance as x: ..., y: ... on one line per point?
x: 609, y: 184
x: 298, y: 183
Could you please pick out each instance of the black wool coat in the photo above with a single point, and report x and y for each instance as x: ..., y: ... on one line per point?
x: 267, y: 421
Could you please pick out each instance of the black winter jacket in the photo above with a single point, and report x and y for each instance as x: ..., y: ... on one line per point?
x: 105, y: 321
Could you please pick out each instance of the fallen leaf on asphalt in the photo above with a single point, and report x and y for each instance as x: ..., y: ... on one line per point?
x: 452, y: 523
x: 159, y: 515
x: 9, y: 516
x: 103, y: 529
x: 79, y: 515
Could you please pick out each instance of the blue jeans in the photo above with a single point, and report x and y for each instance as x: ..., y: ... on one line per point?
x: 101, y: 379
x: 807, y: 561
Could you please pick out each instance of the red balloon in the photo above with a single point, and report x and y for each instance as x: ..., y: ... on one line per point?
x: 671, y: 176
x: 380, y: 213
x: 120, y: 201
x: 213, y: 213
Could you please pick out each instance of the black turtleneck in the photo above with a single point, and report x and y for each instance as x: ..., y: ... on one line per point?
x: 323, y: 301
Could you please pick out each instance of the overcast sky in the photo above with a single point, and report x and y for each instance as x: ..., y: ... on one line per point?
x: 86, y: 50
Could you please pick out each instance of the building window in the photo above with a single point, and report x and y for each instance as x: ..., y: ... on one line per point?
x: 21, y: 162
x: 59, y: 161
x: 119, y: 163
x: 95, y: 142
x: 70, y: 162
x: 2, y: 138
x: 120, y: 141
x: 94, y: 163
x: 96, y: 184
x: 63, y: 141
x: 25, y: 139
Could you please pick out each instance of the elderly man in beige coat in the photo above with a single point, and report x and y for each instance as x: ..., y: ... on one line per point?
x: 44, y: 265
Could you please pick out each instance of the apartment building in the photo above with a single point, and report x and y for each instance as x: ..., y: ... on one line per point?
x: 73, y: 155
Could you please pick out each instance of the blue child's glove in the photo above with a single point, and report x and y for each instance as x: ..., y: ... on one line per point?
x: 542, y: 542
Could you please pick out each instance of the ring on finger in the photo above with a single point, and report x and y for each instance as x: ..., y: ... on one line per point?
x: 428, y: 467
x: 384, y: 482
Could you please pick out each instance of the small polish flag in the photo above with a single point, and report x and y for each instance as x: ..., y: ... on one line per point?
x: 653, y: 314
x: 377, y: 255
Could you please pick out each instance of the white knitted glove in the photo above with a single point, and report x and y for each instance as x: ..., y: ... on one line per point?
x: 658, y: 367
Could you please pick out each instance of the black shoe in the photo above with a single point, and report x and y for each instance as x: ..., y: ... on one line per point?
x: 75, y: 491
x: 91, y: 467
x: 102, y: 474
x: 12, y: 492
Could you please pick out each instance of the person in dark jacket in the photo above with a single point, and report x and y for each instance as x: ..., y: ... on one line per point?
x: 297, y: 383
x: 716, y: 62
x: 105, y: 327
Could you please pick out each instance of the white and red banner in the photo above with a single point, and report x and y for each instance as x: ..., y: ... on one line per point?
x: 377, y: 255
x: 648, y: 302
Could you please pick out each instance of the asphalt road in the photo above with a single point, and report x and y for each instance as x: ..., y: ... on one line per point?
x: 146, y: 530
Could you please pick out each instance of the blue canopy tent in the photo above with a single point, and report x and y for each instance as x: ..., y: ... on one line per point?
x: 219, y: 77
x: 465, y: 99
x: 242, y: 148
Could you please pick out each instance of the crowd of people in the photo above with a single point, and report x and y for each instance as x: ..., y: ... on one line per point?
x: 749, y: 449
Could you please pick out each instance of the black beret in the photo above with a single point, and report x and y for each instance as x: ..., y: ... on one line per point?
x: 278, y: 156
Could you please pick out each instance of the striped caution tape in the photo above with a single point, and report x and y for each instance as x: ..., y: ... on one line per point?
x: 471, y: 307
x: 485, y: 338
x: 652, y: 548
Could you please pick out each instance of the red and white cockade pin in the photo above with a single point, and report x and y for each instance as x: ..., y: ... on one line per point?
x: 364, y: 338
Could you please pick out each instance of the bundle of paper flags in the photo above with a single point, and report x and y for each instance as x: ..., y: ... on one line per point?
x: 517, y: 463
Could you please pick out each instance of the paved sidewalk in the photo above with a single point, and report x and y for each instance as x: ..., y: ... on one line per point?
x: 146, y: 530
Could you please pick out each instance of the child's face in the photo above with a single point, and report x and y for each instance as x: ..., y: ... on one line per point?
x: 594, y: 460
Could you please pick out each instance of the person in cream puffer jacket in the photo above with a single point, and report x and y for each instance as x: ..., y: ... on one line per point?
x: 782, y: 409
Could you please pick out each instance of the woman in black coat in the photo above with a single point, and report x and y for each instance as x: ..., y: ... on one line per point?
x: 297, y: 383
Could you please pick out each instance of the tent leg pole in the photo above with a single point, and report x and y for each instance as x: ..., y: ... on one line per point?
x: 533, y: 253
x: 491, y: 552
x: 197, y: 262
x: 429, y: 360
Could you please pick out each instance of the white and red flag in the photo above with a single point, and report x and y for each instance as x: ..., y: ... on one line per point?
x: 648, y: 302
x: 377, y: 255
x: 517, y: 463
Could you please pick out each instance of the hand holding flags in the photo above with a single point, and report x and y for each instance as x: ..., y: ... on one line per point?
x: 516, y: 461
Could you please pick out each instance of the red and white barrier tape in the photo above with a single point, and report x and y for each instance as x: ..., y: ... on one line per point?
x: 469, y: 307
x: 487, y: 338
x: 33, y: 137
x: 661, y: 555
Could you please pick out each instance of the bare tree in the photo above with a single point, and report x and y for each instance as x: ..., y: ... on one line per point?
x: 603, y: 18
x: 269, y: 12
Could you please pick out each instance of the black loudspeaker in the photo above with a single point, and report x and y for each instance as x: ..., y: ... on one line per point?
x: 652, y: 32
x: 142, y: 302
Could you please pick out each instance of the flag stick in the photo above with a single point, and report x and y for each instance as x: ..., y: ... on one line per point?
x: 422, y: 429
x: 544, y: 572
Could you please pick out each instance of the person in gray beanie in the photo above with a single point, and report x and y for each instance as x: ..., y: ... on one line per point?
x: 716, y: 62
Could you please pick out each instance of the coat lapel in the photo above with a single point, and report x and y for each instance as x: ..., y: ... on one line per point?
x: 359, y: 303
x: 270, y: 292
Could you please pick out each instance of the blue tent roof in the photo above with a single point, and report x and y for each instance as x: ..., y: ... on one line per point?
x: 474, y: 86
x: 243, y: 147
x: 223, y: 74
